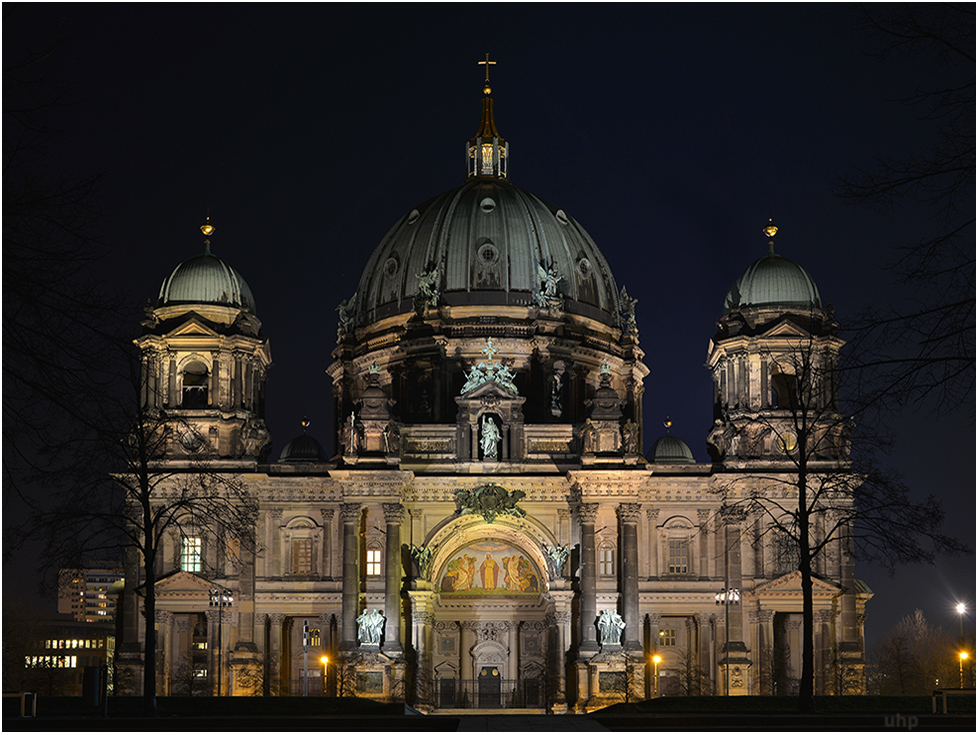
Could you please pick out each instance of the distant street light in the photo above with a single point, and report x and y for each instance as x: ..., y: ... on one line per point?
x: 963, y: 655
x: 656, y: 659
x: 220, y: 599
x: 325, y: 660
x: 727, y: 596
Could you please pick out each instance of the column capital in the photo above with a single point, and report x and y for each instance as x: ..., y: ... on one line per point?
x: 823, y: 616
x: 327, y: 514
x: 276, y: 618
x: 587, y: 512
x: 655, y: 619
x: 652, y: 515
x: 350, y: 512
x: 733, y: 514
x: 563, y: 514
x: 628, y: 512
x: 703, y: 515
x: 393, y: 512
x: 163, y: 617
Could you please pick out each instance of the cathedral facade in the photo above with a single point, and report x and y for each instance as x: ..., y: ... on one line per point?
x: 489, y: 532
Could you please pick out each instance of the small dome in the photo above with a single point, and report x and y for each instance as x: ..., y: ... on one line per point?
x: 303, y: 448
x: 670, y: 450
x: 773, y: 281
x: 206, y: 279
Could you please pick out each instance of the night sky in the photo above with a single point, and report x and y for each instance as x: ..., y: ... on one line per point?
x: 670, y: 132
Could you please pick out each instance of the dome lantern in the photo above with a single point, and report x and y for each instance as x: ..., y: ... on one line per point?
x: 487, y: 152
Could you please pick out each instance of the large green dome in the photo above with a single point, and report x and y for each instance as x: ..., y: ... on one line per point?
x: 670, y: 450
x: 485, y: 241
x: 773, y: 281
x: 206, y: 279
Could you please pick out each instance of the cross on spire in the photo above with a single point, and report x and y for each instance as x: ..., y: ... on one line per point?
x: 486, y: 63
x: 489, y: 350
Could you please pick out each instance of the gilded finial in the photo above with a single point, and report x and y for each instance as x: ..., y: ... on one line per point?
x: 305, y: 422
x: 486, y: 84
x: 207, y: 228
x: 668, y: 423
x: 770, y: 230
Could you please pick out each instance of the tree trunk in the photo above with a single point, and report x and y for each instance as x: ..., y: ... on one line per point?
x: 806, y: 703
x: 149, y: 653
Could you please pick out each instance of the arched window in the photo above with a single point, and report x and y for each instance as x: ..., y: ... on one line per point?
x: 373, y: 560
x: 606, y: 559
x: 194, y: 378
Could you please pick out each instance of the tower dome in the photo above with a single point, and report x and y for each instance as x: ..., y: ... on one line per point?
x: 773, y: 281
x: 670, y: 450
x: 206, y: 279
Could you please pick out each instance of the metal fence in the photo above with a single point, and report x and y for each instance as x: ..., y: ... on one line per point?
x: 494, y: 694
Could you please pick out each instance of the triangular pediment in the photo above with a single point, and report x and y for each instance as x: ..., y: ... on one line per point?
x: 193, y: 327
x: 786, y: 328
x: 183, y: 585
x: 791, y: 585
x: 491, y: 388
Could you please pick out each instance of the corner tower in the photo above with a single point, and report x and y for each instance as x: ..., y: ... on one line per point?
x: 205, y: 360
x: 773, y: 359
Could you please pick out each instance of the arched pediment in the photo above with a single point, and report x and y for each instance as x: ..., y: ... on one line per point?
x: 678, y: 522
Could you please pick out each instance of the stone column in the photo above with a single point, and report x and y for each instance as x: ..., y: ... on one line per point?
x: 703, y: 621
x: 273, y: 561
x: 423, y: 619
x: 628, y: 520
x: 703, y: 516
x: 655, y: 623
x: 172, y: 383
x: 393, y: 515
x: 467, y: 639
x: 652, y: 521
x: 793, y: 633
x: 587, y: 513
x: 326, y: 565
x: 513, y: 638
x: 824, y: 668
x: 350, y: 513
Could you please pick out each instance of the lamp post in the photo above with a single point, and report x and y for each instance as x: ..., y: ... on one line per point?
x: 656, y: 659
x: 220, y: 599
x: 727, y: 596
x: 963, y: 655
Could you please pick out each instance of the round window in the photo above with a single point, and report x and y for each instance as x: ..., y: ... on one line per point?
x: 487, y: 205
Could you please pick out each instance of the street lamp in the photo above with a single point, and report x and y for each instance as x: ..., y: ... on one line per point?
x: 963, y: 655
x: 220, y: 599
x: 325, y: 660
x: 656, y: 659
x: 727, y: 596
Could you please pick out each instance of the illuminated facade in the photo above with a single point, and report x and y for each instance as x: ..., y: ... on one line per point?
x: 489, y: 532
x: 85, y: 593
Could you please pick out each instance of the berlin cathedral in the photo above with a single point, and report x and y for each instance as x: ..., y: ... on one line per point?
x: 489, y: 532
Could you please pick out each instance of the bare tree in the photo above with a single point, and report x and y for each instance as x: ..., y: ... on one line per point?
x: 924, y: 347
x: 146, y: 503
x: 688, y: 679
x: 819, y: 495
x: 915, y: 656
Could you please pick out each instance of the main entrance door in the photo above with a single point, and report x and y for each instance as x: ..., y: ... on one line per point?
x: 489, y: 687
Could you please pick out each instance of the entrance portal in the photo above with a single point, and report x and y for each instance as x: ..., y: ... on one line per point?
x: 489, y: 687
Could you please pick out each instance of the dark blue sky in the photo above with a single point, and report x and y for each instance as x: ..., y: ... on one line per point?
x: 670, y: 132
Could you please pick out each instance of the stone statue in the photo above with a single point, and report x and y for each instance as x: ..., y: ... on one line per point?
x: 549, y: 279
x: 348, y: 436
x: 627, y: 305
x: 489, y: 438
x: 428, y: 288
x: 423, y: 556
x: 556, y: 409
x: 587, y: 437
x: 630, y: 437
x: 610, y: 626
x: 475, y: 378
x: 392, y: 438
x: 557, y: 556
x: 346, y: 312
x: 504, y: 376
x: 369, y: 626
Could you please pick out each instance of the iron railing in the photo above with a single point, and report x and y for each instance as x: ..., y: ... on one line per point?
x: 492, y: 694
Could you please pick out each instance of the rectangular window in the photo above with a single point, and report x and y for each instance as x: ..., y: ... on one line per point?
x: 667, y: 636
x: 606, y: 561
x: 679, y: 553
x: 190, y: 554
x: 373, y: 562
x: 786, y: 554
x: 314, y: 637
x: 302, y: 556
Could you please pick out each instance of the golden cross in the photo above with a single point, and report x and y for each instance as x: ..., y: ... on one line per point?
x: 487, y: 65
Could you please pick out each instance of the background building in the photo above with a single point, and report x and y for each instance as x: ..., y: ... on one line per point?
x: 84, y: 593
x: 489, y: 532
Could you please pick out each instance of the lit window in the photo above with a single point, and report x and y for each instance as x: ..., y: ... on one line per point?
x: 200, y: 673
x: 667, y: 636
x: 190, y: 554
x: 373, y: 562
x: 679, y: 555
x: 314, y: 637
x: 606, y: 561
x: 302, y: 556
